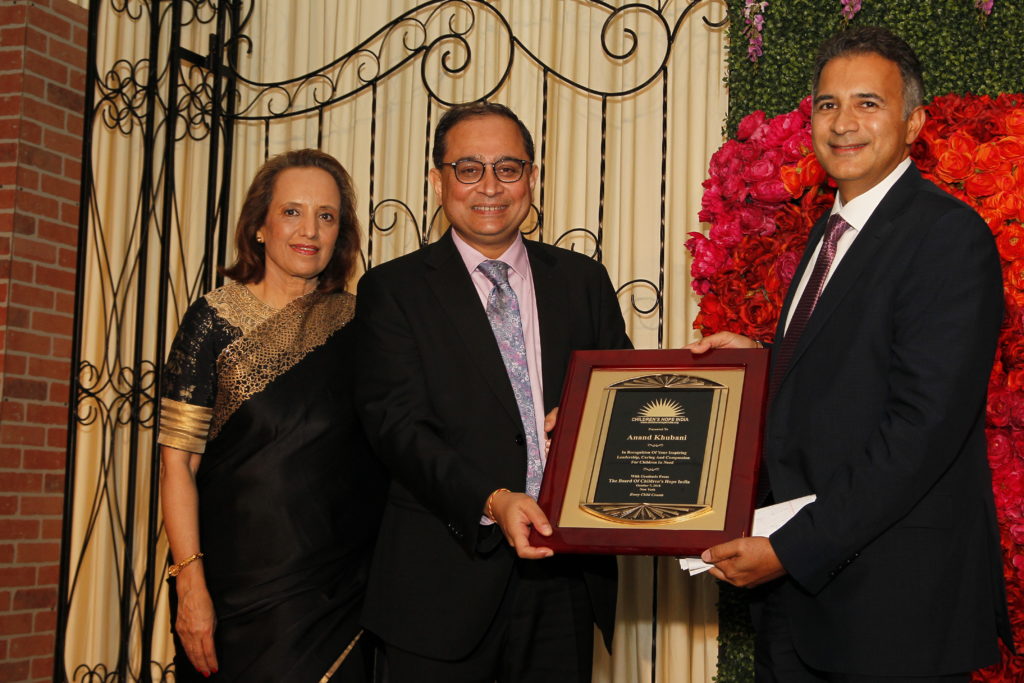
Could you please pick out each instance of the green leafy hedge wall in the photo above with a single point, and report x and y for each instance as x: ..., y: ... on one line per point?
x: 961, y: 49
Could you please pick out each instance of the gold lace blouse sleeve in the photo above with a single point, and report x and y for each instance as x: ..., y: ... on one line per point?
x: 190, y: 379
x: 184, y: 426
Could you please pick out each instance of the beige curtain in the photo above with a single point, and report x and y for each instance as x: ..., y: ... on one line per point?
x: 293, y: 38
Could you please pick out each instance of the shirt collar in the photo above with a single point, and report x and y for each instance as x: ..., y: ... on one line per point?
x: 515, y: 256
x: 858, y: 210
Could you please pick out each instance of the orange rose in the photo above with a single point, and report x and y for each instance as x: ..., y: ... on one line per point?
x: 1011, y: 148
x: 962, y: 142
x: 791, y: 180
x: 1006, y: 205
x: 1010, y: 242
x: 1014, y: 121
x: 954, y: 165
x: 1014, y: 276
x: 982, y: 184
x: 989, y: 157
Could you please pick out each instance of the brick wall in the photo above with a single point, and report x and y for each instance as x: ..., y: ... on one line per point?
x: 42, y: 80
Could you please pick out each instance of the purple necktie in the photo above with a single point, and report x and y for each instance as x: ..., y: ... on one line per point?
x: 507, y: 325
x: 784, y: 352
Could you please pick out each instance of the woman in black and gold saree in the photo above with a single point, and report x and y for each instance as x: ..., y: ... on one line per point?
x: 269, y: 494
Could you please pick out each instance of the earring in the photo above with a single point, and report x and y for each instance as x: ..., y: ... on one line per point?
x: 259, y: 238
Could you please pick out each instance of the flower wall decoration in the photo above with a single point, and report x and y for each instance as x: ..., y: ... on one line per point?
x: 765, y: 191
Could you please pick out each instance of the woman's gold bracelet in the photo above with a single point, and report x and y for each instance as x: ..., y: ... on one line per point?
x: 175, y: 569
x: 490, y: 501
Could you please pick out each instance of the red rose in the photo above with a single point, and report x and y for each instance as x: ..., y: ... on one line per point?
x: 1000, y: 448
x: 998, y: 409
x: 711, y: 317
x: 759, y: 316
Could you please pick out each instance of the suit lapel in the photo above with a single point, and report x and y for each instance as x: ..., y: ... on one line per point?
x: 552, y: 312
x: 459, y: 302
x: 848, y: 273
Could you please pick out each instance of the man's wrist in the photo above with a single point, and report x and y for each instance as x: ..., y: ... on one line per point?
x: 489, y: 505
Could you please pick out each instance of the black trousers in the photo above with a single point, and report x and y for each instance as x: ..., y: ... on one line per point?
x: 776, y: 659
x: 543, y: 632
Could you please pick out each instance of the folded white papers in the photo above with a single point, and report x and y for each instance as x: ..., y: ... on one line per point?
x: 766, y: 521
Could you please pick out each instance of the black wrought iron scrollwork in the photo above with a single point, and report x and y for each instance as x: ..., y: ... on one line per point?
x: 641, y: 282
x: 123, y: 95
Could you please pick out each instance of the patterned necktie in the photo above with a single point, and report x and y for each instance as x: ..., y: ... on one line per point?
x: 507, y: 325
x: 815, y: 284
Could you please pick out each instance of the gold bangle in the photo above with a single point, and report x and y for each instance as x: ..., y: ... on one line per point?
x: 490, y: 501
x: 175, y: 569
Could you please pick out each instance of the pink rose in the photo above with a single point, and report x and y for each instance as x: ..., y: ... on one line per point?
x: 770, y: 192
x: 749, y: 124
x: 760, y: 170
x: 726, y: 233
x: 805, y: 107
x: 797, y: 146
x: 756, y: 220
x: 734, y: 189
x: 708, y: 257
x: 785, y: 266
x: 781, y: 128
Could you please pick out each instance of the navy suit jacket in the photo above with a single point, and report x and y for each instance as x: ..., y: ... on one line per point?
x: 439, y: 409
x: 896, y: 569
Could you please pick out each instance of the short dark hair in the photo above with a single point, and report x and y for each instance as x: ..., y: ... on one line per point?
x: 249, y: 265
x: 461, y: 112
x: 880, y: 41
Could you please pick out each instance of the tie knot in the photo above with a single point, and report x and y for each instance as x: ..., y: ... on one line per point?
x: 837, y: 225
x: 496, y: 271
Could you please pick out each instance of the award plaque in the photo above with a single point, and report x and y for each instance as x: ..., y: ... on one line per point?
x: 654, y: 452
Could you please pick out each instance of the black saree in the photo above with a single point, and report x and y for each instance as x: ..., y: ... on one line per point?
x: 289, y: 496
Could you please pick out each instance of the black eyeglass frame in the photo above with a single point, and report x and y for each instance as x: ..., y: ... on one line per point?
x: 483, y: 169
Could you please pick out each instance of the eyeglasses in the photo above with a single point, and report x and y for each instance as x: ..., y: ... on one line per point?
x: 469, y: 171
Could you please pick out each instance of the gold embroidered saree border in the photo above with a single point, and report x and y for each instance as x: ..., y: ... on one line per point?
x: 248, y: 364
x: 340, y: 660
x: 183, y: 425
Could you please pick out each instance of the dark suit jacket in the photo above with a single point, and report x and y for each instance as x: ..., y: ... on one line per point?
x: 440, y: 411
x: 896, y: 568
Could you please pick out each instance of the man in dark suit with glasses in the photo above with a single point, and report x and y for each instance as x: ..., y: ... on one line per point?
x: 464, y: 348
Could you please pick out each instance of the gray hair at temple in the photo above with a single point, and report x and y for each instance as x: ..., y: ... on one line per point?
x: 880, y: 41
